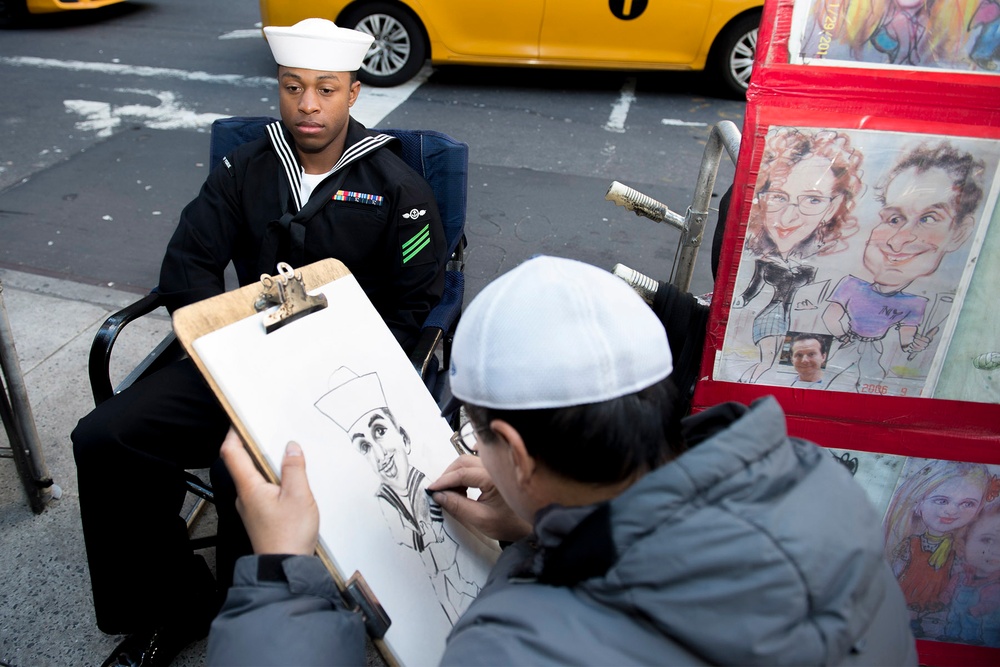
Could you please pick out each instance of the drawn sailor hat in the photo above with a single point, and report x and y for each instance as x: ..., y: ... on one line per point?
x: 318, y: 44
x: 351, y: 397
x: 553, y: 333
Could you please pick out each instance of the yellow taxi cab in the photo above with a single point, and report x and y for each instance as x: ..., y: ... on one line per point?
x: 11, y: 10
x: 717, y: 35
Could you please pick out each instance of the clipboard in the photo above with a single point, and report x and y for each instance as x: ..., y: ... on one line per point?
x: 303, y: 355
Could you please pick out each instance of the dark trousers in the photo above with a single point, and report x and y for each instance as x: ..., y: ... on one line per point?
x: 131, y: 452
x: 233, y: 540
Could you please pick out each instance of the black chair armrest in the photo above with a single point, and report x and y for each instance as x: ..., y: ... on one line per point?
x: 423, y: 354
x: 104, y: 341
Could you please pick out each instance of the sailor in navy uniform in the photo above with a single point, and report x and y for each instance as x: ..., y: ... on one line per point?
x: 318, y: 185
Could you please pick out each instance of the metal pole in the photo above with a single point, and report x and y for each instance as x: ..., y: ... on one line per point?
x: 724, y: 135
x: 20, y: 423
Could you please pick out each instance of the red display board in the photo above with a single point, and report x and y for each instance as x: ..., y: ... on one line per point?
x: 859, y: 281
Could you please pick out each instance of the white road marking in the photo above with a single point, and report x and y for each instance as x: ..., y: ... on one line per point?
x: 118, y: 69
x: 103, y: 118
x: 374, y: 104
x: 377, y: 103
x: 243, y: 34
x: 619, y: 112
x: 681, y: 123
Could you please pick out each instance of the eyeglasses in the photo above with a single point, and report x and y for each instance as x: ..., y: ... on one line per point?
x: 465, y: 438
x: 776, y: 200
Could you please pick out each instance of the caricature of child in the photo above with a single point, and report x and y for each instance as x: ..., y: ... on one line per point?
x: 974, y: 616
x: 925, y: 512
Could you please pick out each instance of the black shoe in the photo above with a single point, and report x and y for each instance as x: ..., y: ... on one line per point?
x: 156, y: 648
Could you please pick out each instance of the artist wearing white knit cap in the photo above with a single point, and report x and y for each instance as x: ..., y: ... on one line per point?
x: 568, y: 367
x: 629, y: 546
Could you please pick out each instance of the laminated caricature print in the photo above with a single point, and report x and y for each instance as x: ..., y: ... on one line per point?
x: 859, y: 251
x: 953, y: 35
x: 941, y: 530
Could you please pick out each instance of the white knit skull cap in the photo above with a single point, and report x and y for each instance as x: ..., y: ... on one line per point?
x: 556, y: 332
x: 318, y: 44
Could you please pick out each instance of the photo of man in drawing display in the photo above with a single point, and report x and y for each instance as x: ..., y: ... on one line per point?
x: 808, y: 358
x: 357, y: 405
x: 928, y: 201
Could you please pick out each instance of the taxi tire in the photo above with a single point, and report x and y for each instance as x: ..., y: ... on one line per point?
x: 414, y: 36
x: 732, y: 44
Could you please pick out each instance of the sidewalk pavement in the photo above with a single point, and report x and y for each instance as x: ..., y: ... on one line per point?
x: 46, y: 614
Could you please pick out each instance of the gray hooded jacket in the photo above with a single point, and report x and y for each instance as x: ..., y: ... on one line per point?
x: 751, y: 548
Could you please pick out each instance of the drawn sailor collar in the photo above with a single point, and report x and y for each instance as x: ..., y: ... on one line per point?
x: 289, y: 161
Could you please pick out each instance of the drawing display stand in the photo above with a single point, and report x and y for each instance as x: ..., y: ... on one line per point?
x: 304, y: 356
x: 858, y: 281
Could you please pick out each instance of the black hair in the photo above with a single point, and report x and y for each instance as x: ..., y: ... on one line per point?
x: 809, y: 336
x: 963, y: 168
x: 602, y: 443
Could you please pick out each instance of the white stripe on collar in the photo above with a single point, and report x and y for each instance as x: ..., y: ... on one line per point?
x: 287, y: 157
x: 286, y: 154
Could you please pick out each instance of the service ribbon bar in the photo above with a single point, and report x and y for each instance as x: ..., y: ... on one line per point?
x: 358, y: 197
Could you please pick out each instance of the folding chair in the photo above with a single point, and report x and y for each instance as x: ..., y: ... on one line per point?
x: 444, y: 164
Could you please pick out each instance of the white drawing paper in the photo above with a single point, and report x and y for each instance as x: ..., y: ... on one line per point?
x: 337, y: 383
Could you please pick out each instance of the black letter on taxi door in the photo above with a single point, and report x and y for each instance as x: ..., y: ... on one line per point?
x: 627, y: 10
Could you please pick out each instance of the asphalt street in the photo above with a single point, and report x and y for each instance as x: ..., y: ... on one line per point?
x: 104, y: 140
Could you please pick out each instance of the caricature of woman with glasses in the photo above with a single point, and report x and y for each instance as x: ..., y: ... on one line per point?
x: 806, y: 189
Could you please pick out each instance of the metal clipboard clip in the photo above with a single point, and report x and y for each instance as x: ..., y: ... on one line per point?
x: 287, y: 291
x: 360, y: 597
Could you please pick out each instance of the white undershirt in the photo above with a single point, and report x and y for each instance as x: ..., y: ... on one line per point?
x: 309, y: 183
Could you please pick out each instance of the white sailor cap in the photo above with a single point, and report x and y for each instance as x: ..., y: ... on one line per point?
x: 318, y: 44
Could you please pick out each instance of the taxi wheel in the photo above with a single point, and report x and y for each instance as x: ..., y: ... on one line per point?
x: 734, y: 54
x: 399, y: 50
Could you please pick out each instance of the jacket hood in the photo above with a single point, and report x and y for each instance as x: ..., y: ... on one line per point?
x: 744, y: 549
